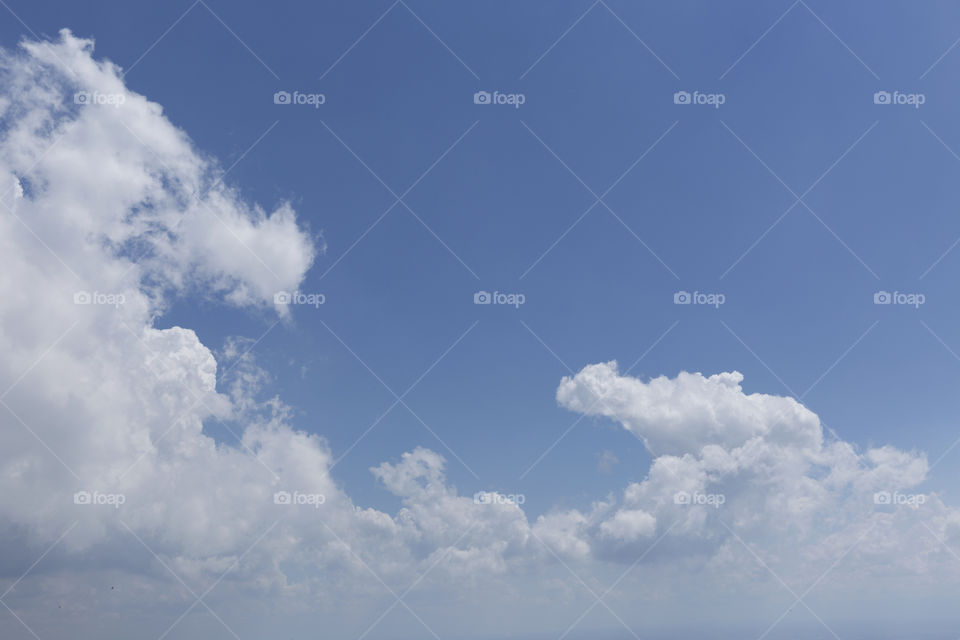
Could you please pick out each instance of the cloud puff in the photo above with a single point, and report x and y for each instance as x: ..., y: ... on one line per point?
x: 675, y: 416
x: 103, y: 164
x: 730, y: 466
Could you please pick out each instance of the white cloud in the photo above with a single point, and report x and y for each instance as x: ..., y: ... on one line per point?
x: 115, y: 201
x: 629, y: 524
x: 758, y: 464
x: 125, y: 177
x: 674, y: 416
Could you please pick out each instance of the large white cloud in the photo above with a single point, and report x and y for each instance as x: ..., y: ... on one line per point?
x: 758, y: 465
x: 113, y: 199
x: 108, y: 201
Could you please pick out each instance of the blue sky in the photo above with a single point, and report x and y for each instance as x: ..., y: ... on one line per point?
x: 698, y: 200
x: 599, y: 99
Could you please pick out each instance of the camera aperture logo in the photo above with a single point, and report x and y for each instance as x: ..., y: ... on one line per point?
x: 685, y: 498
x: 492, y: 497
x: 299, y: 499
x: 898, y: 297
x: 699, y: 297
x: 98, y: 297
x: 296, y: 97
x: 103, y: 99
x: 513, y: 99
x: 485, y: 297
x: 97, y: 498
x: 298, y: 297
x: 886, y: 498
x: 696, y: 97
x: 897, y: 97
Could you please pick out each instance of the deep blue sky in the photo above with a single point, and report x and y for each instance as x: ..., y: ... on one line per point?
x: 599, y: 99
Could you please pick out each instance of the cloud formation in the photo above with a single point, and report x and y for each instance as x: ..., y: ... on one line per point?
x: 759, y: 468
x: 110, y: 213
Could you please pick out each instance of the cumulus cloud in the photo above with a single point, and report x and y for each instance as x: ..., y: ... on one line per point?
x: 113, y: 213
x: 110, y: 213
x: 104, y: 164
x: 725, y: 460
x: 674, y: 416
